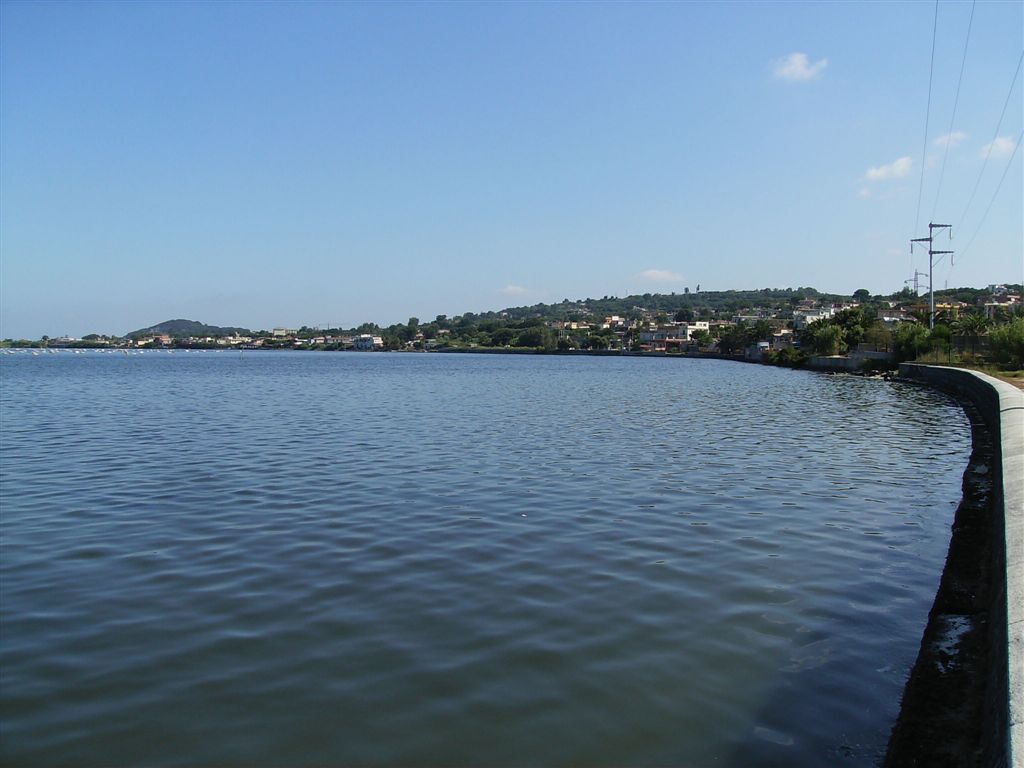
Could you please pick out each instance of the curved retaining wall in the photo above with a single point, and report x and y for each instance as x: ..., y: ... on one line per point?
x: 1001, y: 407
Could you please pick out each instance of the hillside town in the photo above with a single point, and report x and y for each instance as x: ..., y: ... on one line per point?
x: 786, y: 326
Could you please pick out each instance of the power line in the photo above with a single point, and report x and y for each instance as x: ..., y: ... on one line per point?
x: 988, y: 154
x: 927, y: 115
x: 952, y: 120
x: 994, y: 195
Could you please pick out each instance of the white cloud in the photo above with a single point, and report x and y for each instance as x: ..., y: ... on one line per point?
x: 797, y: 68
x: 950, y: 139
x: 513, y: 290
x: 864, y: 192
x: 660, y: 276
x: 897, y: 169
x: 1002, y: 146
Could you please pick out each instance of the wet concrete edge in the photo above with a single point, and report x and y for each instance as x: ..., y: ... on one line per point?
x: 964, y: 701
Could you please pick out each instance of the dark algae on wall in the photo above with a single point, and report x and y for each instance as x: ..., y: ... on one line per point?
x: 945, y: 714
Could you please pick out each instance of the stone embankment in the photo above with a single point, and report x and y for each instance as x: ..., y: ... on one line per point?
x: 964, y: 701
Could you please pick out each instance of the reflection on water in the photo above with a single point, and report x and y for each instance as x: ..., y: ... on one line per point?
x: 451, y: 560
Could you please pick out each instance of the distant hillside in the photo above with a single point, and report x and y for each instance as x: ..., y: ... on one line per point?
x: 181, y: 328
x: 718, y: 301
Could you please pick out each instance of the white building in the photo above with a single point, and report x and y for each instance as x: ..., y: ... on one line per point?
x: 1000, y: 301
x: 804, y: 318
x: 782, y: 338
x: 685, y: 330
x: 367, y: 343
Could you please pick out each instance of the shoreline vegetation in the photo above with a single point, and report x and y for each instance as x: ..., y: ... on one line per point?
x: 796, y: 328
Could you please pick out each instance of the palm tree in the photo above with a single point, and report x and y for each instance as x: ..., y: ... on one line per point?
x: 972, y: 326
x: 920, y: 314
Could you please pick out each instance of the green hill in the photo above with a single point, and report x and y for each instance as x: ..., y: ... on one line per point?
x: 669, y: 303
x: 184, y: 328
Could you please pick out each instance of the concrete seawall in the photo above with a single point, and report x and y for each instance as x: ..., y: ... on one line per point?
x: 974, y: 697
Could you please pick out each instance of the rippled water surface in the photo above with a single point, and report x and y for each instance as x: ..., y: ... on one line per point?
x: 444, y: 560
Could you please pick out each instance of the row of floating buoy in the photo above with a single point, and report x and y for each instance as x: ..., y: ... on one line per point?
x: 38, y: 352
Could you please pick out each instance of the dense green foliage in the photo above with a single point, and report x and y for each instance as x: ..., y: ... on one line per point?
x: 848, y: 329
x: 969, y: 295
x: 788, y: 357
x: 910, y: 341
x: 680, y: 306
x: 1007, y: 344
x: 827, y: 338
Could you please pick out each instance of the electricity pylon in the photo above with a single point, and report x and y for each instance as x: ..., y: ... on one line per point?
x: 931, y: 264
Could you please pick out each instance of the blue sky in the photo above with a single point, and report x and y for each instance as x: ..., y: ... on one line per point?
x: 268, y: 164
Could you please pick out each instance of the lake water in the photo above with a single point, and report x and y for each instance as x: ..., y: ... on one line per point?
x: 461, y: 560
